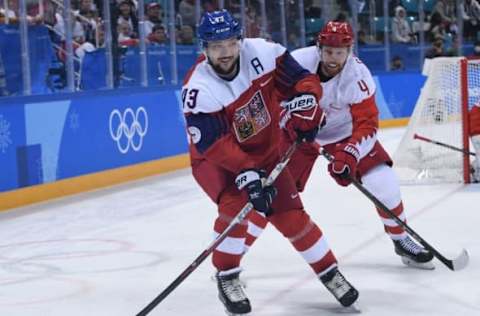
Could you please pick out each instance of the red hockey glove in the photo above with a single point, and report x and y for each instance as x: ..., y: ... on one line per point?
x: 344, y: 165
x: 302, y: 117
x: 261, y: 197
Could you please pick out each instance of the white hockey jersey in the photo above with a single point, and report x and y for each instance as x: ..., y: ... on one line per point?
x: 233, y: 122
x: 348, y: 101
x: 216, y: 93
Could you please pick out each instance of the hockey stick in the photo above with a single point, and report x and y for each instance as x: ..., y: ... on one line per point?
x: 428, y: 140
x: 238, y: 219
x: 456, y: 264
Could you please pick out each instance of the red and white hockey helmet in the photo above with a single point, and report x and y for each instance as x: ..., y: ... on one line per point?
x: 335, y: 34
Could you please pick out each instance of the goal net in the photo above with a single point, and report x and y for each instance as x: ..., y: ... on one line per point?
x: 441, y: 114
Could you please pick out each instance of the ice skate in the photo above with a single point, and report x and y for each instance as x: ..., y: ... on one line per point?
x: 413, y: 255
x: 336, y: 283
x: 231, y: 293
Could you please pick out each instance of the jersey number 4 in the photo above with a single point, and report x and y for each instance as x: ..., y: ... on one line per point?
x: 363, y: 87
x: 189, y: 98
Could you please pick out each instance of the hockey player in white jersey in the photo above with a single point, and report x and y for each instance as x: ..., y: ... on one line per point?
x: 350, y: 133
x: 231, y: 101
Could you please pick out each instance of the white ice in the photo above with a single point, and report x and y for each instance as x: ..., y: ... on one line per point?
x: 112, y: 251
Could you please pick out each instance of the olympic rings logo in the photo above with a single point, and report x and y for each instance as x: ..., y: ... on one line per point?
x: 126, y: 128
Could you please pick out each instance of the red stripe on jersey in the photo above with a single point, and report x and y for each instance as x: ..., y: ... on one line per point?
x: 238, y: 231
x: 314, y: 234
x: 224, y: 261
x: 249, y: 240
x: 257, y: 219
x: 326, y: 262
x: 398, y: 230
x: 190, y: 71
x: 395, y: 230
x: 397, y: 211
x: 364, y: 119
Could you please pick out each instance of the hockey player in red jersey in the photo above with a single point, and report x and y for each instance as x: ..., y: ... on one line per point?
x: 231, y: 105
x: 475, y: 137
x: 350, y: 134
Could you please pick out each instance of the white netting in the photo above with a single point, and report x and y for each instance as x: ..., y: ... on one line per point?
x: 438, y: 116
x: 473, y: 82
x: 474, y: 98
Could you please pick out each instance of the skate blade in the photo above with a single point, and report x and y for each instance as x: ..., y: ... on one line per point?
x: 352, y: 309
x: 235, y: 314
x: 418, y: 265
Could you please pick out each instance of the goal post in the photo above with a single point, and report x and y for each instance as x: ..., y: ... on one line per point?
x: 440, y: 114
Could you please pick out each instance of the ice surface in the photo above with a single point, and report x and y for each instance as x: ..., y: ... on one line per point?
x: 110, y: 252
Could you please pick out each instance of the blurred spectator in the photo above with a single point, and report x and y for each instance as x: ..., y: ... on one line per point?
x: 125, y: 35
x: 392, y: 4
x: 86, y: 47
x: 448, y: 14
x: 3, y: 81
x: 362, y: 37
x: 12, y: 14
x: 154, y: 16
x: 437, y: 27
x: 49, y: 10
x: 133, y: 3
x: 85, y: 5
x: 343, y: 5
x: 341, y: 17
x: 209, y: 5
x: 401, y: 32
x: 185, y: 35
x: 470, y: 10
x: 88, y: 17
x: 476, y: 50
x: 8, y: 13
x: 437, y: 49
x: 158, y: 35
x: 186, y: 9
x: 397, y: 64
x: 126, y: 14
x: 312, y: 11
x: 100, y: 35
x: 252, y: 28
x: 78, y: 32
x: 34, y: 15
x: 234, y: 6
x: 454, y: 48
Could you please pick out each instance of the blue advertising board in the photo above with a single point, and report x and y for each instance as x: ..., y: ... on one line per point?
x: 48, y: 139
x: 397, y: 93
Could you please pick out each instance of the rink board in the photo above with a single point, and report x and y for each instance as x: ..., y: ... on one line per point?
x: 57, y: 145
